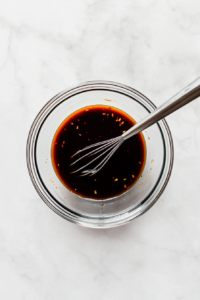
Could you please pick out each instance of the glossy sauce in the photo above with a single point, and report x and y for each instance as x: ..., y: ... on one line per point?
x: 90, y: 125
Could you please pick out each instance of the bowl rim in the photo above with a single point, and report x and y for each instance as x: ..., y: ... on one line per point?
x: 42, y: 190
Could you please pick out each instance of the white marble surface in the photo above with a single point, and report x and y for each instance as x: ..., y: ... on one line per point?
x: 46, y: 46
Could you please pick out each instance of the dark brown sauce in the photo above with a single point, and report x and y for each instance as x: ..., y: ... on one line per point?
x: 90, y: 125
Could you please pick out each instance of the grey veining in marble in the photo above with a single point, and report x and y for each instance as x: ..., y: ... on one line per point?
x: 46, y: 46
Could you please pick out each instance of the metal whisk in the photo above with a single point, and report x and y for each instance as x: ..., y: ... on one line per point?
x: 188, y: 94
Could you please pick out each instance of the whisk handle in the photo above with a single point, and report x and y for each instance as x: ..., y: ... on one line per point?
x: 188, y: 94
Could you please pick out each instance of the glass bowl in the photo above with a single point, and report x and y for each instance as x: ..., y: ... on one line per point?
x: 90, y: 212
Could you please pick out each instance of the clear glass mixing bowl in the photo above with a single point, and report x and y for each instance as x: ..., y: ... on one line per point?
x: 90, y: 212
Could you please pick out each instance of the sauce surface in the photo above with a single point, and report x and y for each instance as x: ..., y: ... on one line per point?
x: 90, y: 125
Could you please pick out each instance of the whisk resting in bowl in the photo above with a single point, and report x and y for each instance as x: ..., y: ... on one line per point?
x: 108, y: 147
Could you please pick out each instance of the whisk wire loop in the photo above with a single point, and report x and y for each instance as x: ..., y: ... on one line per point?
x: 109, y: 145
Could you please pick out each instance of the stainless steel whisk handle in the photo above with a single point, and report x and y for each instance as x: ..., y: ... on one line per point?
x: 188, y: 94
